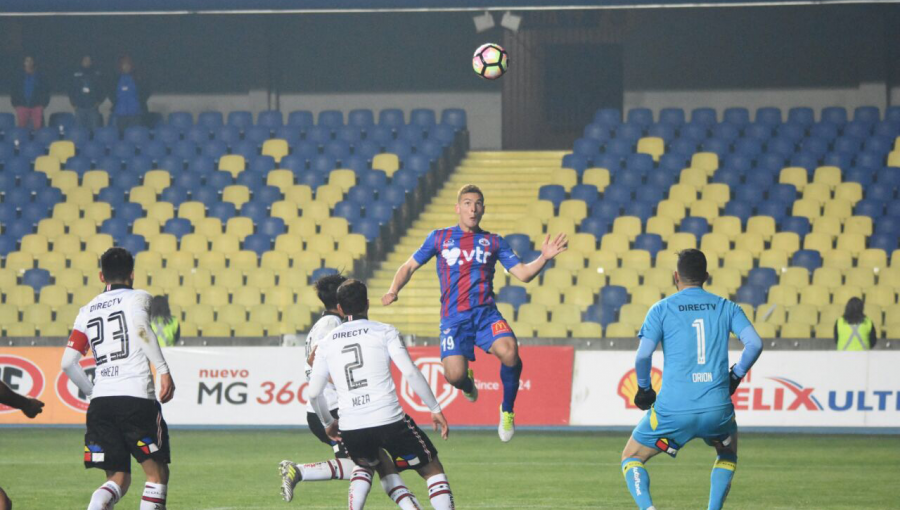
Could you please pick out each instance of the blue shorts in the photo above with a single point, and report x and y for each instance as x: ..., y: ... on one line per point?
x: 481, y: 326
x: 668, y: 433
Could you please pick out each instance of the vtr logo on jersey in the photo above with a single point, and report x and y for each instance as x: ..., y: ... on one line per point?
x: 69, y: 393
x: 628, y: 385
x: 454, y: 256
x: 433, y: 371
x: 22, y: 376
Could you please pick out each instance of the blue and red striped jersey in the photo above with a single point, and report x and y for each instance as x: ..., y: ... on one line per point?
x: 465, y: 266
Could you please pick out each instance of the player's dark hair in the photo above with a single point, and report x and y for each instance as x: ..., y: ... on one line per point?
x: 853, y: 312
x: 469, y: 188
x: 692, y: 267
x: 353, y: 297
x: 159, y: 308
x: 116, y: 264
x: 326, y: 288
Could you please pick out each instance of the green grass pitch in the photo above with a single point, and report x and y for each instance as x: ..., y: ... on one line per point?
x: 222, y: 469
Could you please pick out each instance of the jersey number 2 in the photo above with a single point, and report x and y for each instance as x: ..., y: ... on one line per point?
x: 357, y: 362
x: 119, y: 333
x: 701, y: 341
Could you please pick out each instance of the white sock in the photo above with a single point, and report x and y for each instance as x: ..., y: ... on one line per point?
x: 360, y: 485
x: 337, y: 469
x: 154, y: 497
x: 106, y: 497
x: 395, y: 488
x: 439, y: 492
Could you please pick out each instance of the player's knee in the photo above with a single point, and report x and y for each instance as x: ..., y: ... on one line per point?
x: 5, y: 502
x: 432, y: 468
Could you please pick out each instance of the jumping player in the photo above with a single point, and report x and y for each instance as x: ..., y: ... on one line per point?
x: 465, y: 265
x: 693, y: 326
x: 31, y: 407
x: 357, y: 357
x: 124, y: 418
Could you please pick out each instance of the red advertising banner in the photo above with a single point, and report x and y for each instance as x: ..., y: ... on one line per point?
x: 545, y: 390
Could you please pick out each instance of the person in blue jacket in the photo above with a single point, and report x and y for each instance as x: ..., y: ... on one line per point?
x: 129, y: 97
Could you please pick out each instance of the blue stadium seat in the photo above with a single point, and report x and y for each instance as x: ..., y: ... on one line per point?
x: 8, y: 181
x: 809, y: 259
x: 181, y: 120
x: 888, y: 226
x: 664, y: 131
x: 7, y: 244
x: 639, y: 162
x: 258, y: 243
x: 257, y: 134
x: 368, y: 228
x: 412, y: 134
x: 267, y: 195
x: 870, y: 160
x: 240, y: 119
x: 893, y: 209
x: 857, y: 130
x: 185, y: 149
x: 422, y: 117
x: 33, y: 150
x: 695, y: 225
x: 331, y: 118
x: 418, y: 163
x: 575, y: 162
x: 740, y: 210
x: 751, y: 294
x: 613, y: 295
x: 630, y: 178
x: 348, y: 209
x: 763, y: 277
x: 520, y: 243
x: 7, y: 121
x: 704, y: 116
x: 642, y: 210
x: 210, y: 119
x: 305, y: 150
x: 405, y: 179
x: 222, y: 210
x: 696, y: 133
x: 178, y: 227
x: 748, y: 147
x: 620, y: 148
x: 640, y: 116
x: 883, y: 192
x: 174, y: 195
x: 444, y: 134
x: 886, y: 242
x: 61, y: 121
x: 842, y: 160
x: 256, y: 211
x: 608, y: 117
x: 394, y: 195
x: 32, y: 182
x: 219, y: 180
x: 338, y: 149
x: 128, y: 211
x: 736, y: 116
x: 717, y: 146
x: 824, y: 130
x: 168, y: 135
x: 380, y: 135
x: 7, y: 151
x: 271, y: 227
x: 22, y: 227
x: 618, y: 193
x: 802, y: 116
x: 154, y: 149
x: 869, y: 207
x: 783, y: 147
x: 360, y: 118
x: 799, y: 225
x: 382, y: 212
x: 791, y: 131
x: 200, y: 135
x: 391, y: 117
x: 761, y: 178
x: 207, y: 195
x: 878, y: 144
x: 361, y: 195
x: 111, y: 164
x: 661, y: 180
x: 606, y: 209
x: 597, y: 132
x: 629, y: 132
x: 139, y: 165
x: 597, y: 226
x: 301, y: 118
x: 291, y: 134
x: 294, y: 163
x: 271, y: 119
x: 888, y: 128
x: 649, y: 242
x: 116, y: 227
x: 455, y: 117
x: 8, y: 213
x: 261, y: 164
x: 672, y: 116
x: 768, y: 116
x: 786, y: 193
x: 215, y: 149
x: 672, y: 163
x: 815, y: 146
x: 202, y: 165
x: 683, y: 148
x: 36, y: 278
x: 78, y: 164
x: 47, y: 198
x: 513, y: 295
x: 586, y: 147
x: 863, y: 176
x: 374, y: 179
x: 601, y: 314
x: 731, y: 177
x: 323, y: 164
x: 777, y: 210
x: 834, y: 115
x: 348, y: 134
x: 134, y: 243
x: 137, y: 135
x: 888, y: 179
x: 311, y: 179
x: 319, y: 135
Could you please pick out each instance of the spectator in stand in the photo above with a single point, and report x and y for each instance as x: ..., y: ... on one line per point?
x: 30, y: 95
x: 854, y: 331
x: 164, y: 324
x: 86, y: 93
x: 129, y: 97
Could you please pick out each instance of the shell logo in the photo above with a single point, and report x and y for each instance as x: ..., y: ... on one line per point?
x: 433, y: 371
x: 628, y: 385
x: 22, y: 375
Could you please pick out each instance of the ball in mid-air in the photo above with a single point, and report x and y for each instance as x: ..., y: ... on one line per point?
x: 490, y: 61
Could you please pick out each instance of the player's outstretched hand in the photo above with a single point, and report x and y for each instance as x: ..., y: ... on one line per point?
x: 644, y: 398
x: 733, y: 381
x: 166, y: 388
x: 440, y: 422
x: 333, y: 431
x: 553, y: 248
x: 388, y: 298
x: 34, y: 408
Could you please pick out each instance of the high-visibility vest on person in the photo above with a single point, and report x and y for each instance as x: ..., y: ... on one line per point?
x: 166, y: 333
x: 854, y: 337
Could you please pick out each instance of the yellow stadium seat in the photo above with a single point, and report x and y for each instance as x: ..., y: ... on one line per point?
x: 143, y: 195
x: 98, y: 212
x: 603, y: 260
x: 585, y: 243
x: 201, y: 315
x: 95, y: 180
x: 621, y: 330
x: 197, y: 278
x: 815, y: 295
x: 666, y: 259
x: 67, y: 278
x: 243, y: 260
x: 54, y: 329
x: 49, y: 165
x: 661, y: 226
x: 696, y: 177
x: 636, y: 259
x: 84, y: 295
x: 289, y: 243
x: 285, y: 210
x: 570, y: 260
x: 771, y: 313
x: 629, y: 226
x: 51, y: 261
x: 558, y: 226
x: 614, y: 243
x: 281, y: 179
x: 98, y: 243
x: 681, y: 241
x: 718, y: 193
x: 239, y: 227
x: 765, y: 330
x: 557, y: 278
x: 828, y: 277
x: 193, y: 211
x: 51, y: 228
x: 237, y: 194
x: 299, y: 194
x: 265, y: 315
x: 818, y: 241
x: 9, y: 314
x: 597, y: 176
x: 54, y: 296
x: 652, y: 145
x: 158, y: 180
x: 89, y: 263
x: 232, y: 163
x: 762, y: 225
x: 717, y: 290
x: 533, y: 313
x: 335, y: 227
x: 161, y: 211
x: 673, y: 209
x: 858, y: 224
x: 62, y: 150
x: 164, y: 244
x: 624, y: 277
x: 729, y: 226
x: 838, y: 208
x: 79, y: 196
x: 82, y: 227
x: 280, y: 297
x: 141, y: 279
x: 565, y: 177
x: 645, y: 295
x: 343, y: 179
x: 166, y: 278
x: 387, y: 162
x: 830, y: 313
x: 824, y: 330
x: 881, y: 295
x: 215, y: 330
x: 522, y: 329
x: 818, y: 192
x: 552, y: 330
x: 795, y: 276
x: 791, y: 330
x: 299, y: 315
x: 307, y: 261
x: 783, y: 295
x: 573, y: 209
x: 246, y: 296
x: 320, y: 243
x: 850, y: 191
x: 714, y: 245
x: 34, y: 244
x: 587, y: 330
x: 276, y: 148
x: 775, y: 259
x: 262, y: 278
x: 19, y: 295
x: 589, y: 278
x: 564, y: 315
x: 742, y: 260
x: 20, y: 261
x: 827, y: 225
x: 580, y: 297
x: 343, y: 262
x: 657, y: 277
x: 214, y: 297
x: 788, y: 242
x: 147, y: 227
x: 873, y: 258
x: 793, y: 175
x: 686, y: 194
x: 708, y: 161
x: 65, y: 212
x: 8, y: 278
x: 861, y: 276
x: 751, y: 241
x: 852, y: 243
x: 316, y: 211
x: 542, y: 210
x: 727, y: 278
x: 843, y: 294
x: 194, y: 244
x: 828, y: 175
x: 65, y: 180
x: 546, y: 296
x: 20, y: 329
x: 807, y: 208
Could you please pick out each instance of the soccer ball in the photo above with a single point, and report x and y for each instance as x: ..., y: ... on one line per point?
x: 490, y: 61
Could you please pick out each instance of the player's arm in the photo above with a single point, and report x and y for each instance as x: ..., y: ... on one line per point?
x: 404, y: 274
x: 150, y: 346
x: 550, y: 249
x: 318, y: 378
x: 400, y: 356
x: 650, y: 335
x: 75, y: 349
x: 30, y: 406
x: 753, y: 347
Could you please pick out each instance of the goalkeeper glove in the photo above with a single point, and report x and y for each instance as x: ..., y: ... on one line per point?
x: 733, y: 381
x: 644, y: 398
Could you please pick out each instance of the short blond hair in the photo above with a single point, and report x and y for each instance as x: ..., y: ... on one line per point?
x: 469, y: 188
